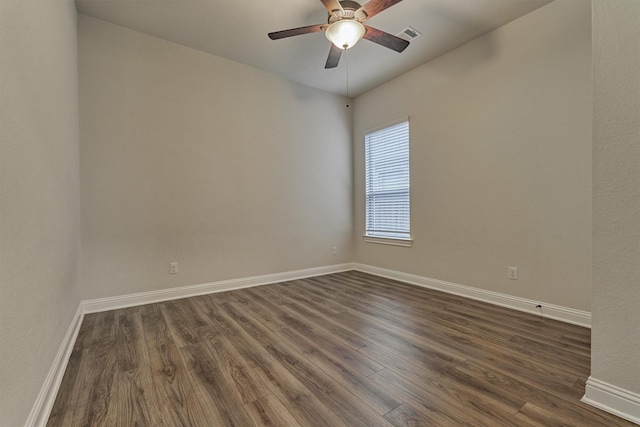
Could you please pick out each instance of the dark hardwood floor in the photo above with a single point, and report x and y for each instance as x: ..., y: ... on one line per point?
x: 347, y: 349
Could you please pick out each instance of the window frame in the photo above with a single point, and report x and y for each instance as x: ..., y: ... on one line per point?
x: 380, y: 239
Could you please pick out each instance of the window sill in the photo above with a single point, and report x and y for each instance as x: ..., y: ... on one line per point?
x: 407, y: 243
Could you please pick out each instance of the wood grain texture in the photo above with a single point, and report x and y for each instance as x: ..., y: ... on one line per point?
x: 346, y: 349
x: 373, y: 7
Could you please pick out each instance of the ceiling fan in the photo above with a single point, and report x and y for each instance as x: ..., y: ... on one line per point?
x: 344, y: 27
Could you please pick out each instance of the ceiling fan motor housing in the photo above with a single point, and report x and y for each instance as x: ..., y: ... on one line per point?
x: 349, y: 9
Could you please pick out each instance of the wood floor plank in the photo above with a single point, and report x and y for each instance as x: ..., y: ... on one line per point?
x: 442, y: 343
x: 247, y: 304
x: 300, y: 294
x: 564, y: 416
x: 129, y: 342
x: 346, y: 349
x: 423, y: 408
x: 183, y: 321
x: 179, y: 404
x: 96, y: 377
x: 64, y: 405
x: 405, y: 416
x: 300, y: 401
x: 312, y: 311
x: 527, y: 347
x: 321, y: 329
x: 268, y: 411
x: 329, y: 353
x: 63, y: 408
x: 475, y: 311
x: 210, y: 382
x: 446, y: 400
x: 346, y: 405
x: 477, y: 320
x: 234, y: 369
x: 133, y: 402
x: 340, y: 401
x: 85, y: 334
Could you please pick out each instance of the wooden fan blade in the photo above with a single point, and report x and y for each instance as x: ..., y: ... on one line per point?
x: 334, y: 57
x: 373, y: 7
x: 297, y: 31
x: 332, y: 5
x: 385, y: 39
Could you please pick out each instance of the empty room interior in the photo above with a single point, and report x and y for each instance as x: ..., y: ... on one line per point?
x: 188, y: 226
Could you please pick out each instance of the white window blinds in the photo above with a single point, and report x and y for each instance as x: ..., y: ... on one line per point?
x: 387, y: 182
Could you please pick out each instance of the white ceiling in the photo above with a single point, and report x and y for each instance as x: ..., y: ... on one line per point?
x: 237, y: 30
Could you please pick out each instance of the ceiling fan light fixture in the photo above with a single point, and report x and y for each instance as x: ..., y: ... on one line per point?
x: 345, y: 33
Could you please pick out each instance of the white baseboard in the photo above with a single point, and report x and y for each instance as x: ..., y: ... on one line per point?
x: 41, y: 409
x: 613, y: 399
x: 564, y: 314
x: 112, y: 303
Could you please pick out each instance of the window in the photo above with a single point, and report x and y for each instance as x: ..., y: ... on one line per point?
x: 387, y: 184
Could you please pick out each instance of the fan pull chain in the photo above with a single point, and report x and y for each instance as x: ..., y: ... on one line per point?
x: 347, y: 58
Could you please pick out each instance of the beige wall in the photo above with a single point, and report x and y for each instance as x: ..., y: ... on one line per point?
x: 616, y: 193
x: 188, y: 157
x: 39, y: 195
x: 500, y: 160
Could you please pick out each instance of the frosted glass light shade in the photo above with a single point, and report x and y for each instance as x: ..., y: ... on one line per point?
x: 345, y: 34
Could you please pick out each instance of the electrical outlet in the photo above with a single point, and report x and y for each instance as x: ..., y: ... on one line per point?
x: 334, y: 250
x: 513, y: 273
x: 173, y: 268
